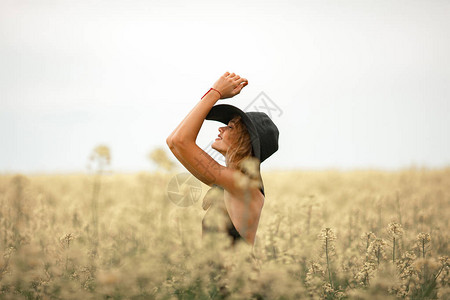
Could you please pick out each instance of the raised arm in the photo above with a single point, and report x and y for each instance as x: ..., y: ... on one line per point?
x: 228, y: 85
x: 182, y: 140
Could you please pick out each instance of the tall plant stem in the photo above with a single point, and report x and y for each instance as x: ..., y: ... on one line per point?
x: 328, y: 261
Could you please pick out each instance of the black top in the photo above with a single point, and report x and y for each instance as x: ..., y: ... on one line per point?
x: 214, y: 203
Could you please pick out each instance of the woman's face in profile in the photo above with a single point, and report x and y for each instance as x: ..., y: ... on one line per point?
x: 225, y: 138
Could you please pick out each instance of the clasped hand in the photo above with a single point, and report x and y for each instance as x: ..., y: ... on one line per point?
x: 229, y: 85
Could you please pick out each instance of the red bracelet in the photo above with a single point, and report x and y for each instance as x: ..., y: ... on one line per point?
x: 210, y: 90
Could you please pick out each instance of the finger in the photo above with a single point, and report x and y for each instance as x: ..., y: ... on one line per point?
x: 241, y: 80
x: 240, y: 87
x: 237, y: 77
x: 232, y: 75
x: 226, y: 74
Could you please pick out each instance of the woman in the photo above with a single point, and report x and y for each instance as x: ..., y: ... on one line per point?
x: 248, y: 137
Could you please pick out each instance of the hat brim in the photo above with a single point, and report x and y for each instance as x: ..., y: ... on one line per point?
x: 225, y: 112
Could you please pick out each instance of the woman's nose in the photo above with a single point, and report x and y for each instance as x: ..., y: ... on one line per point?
x: 220, y: 129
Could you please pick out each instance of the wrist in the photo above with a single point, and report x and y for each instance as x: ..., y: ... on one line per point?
x: 217, y: 91
x: 212, y: 93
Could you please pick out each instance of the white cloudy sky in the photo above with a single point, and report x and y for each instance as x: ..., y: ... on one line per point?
x: 360, y: 84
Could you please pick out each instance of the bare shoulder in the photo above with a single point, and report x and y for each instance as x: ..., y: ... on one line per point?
x: 258, y: 196
x: 255, y: 201
x: 245, y: 213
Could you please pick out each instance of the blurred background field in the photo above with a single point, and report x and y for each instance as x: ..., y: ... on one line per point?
x: 322, y: 235
x: 351, y: 85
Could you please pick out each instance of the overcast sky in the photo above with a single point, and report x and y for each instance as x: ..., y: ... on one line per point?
x: 352, y: 84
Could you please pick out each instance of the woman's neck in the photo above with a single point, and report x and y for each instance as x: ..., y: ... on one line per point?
x: 232, y: 165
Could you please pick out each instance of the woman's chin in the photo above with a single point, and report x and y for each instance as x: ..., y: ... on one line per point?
x: 215, y: 147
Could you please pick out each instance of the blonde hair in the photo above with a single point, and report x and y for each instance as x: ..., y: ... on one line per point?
x: 240, y: 152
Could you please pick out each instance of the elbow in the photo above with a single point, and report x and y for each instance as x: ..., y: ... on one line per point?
x: 169, y: 142
x: 174, y: 141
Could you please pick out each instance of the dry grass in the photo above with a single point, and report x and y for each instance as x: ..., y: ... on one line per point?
x: 322, y: 235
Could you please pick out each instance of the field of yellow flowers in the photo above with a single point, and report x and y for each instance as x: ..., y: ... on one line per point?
x: 322, y: 235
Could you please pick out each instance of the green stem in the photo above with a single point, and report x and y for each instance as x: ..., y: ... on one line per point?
x: 378, y: 255
x: 393, y: 252
x: 328, y: 262
x: 423, y: 248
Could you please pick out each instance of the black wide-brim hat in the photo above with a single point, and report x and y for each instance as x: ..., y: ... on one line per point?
x: 263, y: 132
